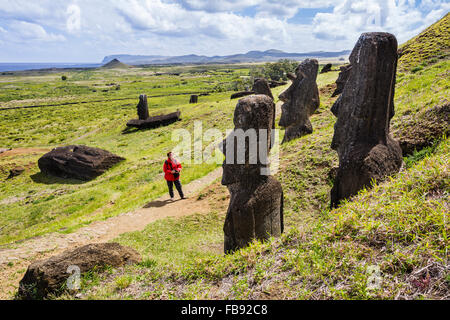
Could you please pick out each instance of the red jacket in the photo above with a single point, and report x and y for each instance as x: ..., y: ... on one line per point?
x: 168, y: 175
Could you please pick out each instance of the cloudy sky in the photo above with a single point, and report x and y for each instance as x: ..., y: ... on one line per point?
x: 87, y: 30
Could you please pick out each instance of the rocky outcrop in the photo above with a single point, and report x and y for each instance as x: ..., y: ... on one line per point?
x: 423, y: 129
x: 50, y: 276
x: 342, y: 79
x: 142, y: 107
x: 301, y: 100
x: 79, y: 162
x: 156, y: 121
x: 256, y: 205
x: 193, y: 99
x: 326, y: 68
x: 366, y: 150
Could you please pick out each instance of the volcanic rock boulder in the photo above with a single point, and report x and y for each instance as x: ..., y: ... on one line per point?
x: 194, y: 99
x: 342, y: 79
x: 256, y: 205
x: 301, y: 100
x: 142, y: 107
x: 326, y: 68
x: 364, y: 110
x: 79, y: 162
x: 261, y: 86
x: 50, y: 276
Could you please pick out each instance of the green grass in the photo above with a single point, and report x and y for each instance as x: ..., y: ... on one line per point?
x: 427, y: 48
x: 34, y: 204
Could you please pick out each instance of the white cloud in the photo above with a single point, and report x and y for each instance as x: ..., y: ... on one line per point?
x: 174, y: 27
x: 33, y: 32
x: 73, y: 22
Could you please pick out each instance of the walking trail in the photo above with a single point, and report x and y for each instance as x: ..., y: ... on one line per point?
x: 100, y: 231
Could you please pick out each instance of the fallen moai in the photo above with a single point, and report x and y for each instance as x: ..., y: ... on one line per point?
x: 301, y: 100
x: 326, y: 68
x: 256, y: 205
x: 155, y: 121
x: 79, y: 162
x: 366, y: 150
x: 51, y: 276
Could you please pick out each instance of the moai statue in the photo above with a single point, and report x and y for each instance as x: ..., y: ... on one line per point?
x: 256, y: 205
x: 261, y: 86
x: 193, y: 99
x: 142, y: 107
x: 301, y: 100
x: 342, y: 79
x: 364, y: 110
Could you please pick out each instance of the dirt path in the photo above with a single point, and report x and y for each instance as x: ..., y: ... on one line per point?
x: 13, y: 261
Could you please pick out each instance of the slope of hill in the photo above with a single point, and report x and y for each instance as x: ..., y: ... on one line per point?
x: 394, y: 236
x: 115, y: 64
x: 251, y: 56
x: 429, y: 46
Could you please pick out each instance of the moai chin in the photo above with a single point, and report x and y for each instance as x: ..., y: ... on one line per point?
x: 256, y: 205
x: 301, y: 100
x: 142, y: 107
x: 364, y: 110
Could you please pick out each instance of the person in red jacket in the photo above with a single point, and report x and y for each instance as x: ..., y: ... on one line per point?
x: 172, y: 169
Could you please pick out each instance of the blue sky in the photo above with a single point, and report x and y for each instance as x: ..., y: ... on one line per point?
x: 87, y: 30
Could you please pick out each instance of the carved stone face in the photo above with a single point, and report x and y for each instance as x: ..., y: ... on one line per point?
x: 301, y: 99
x: 251, y: 114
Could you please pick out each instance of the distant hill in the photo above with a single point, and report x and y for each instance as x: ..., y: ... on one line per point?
x: 115, y: 64
x: 251, y: 56
x: 432, y: 43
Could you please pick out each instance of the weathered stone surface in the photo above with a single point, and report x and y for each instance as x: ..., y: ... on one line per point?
x: 49, y: 276
x: 364, y: 110
x: 14, y: 172
x: 261, y: 86
x: 142, y: 107
x: 79, y: 162
x: 156, y: 121
x: 326, y: 68
x: 256, y: 205
x: 194, y: 98
x: 301, y: 100
x: 423, y: 129
x: 342, y: 79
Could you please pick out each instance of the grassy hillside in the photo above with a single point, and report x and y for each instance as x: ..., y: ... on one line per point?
x: 398, y: 230
x: 430, y: 46
x: 34, y: 204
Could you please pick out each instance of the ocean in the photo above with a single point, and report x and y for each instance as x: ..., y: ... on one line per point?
x: 35, y: 66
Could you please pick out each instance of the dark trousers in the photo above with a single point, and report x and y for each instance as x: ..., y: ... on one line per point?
x: 177, y: 185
